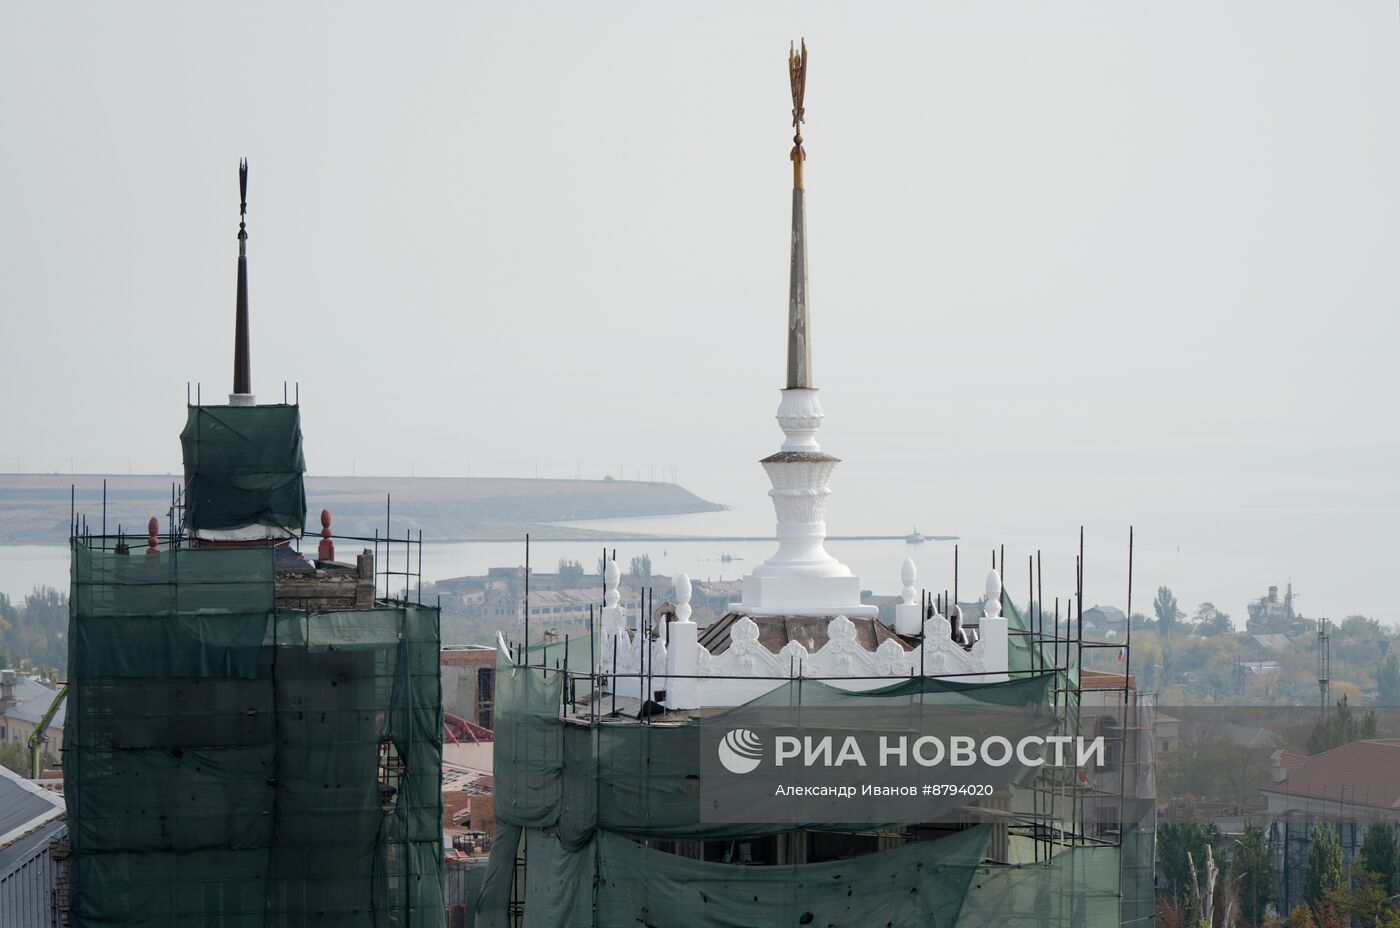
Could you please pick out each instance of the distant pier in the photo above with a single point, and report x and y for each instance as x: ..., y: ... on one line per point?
x: 600, y: 536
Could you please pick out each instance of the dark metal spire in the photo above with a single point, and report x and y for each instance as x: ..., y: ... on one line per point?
x: 242, y: 363
x: 799, y: 352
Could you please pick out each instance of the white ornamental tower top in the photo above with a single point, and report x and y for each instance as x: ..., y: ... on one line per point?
x: 801, y: 578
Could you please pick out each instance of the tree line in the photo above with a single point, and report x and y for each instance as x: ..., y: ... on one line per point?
x: 1213, y: 886
x: 34, y: 633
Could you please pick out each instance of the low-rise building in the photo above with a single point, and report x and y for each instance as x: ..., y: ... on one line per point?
x: 24, y: 701
x: 1274, y: 613
x: 1360, y: 780
x: 33, y: 861
x: 469, y: 683
x: 1105, y: 623
x: 1265, y: 647
x: 1344, y: 789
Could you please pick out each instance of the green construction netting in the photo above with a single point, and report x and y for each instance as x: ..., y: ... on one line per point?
x: 582, y: 800
x: 615, y: 881
x: 244, y: 466
x: 917, y: 884
x: 1021, y: 649
x: 639, y: 780
x: 1030, y: 690
x: 228, y: 763
x: 1076, y: 888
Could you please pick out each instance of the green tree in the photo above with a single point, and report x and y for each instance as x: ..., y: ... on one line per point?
x: 1251, y: 866
x: 15, y: 756
x: 1209, y: 765
x: 1361, y: 627
x: 1323, y: 872
x: 1167, y: 611
x: 570, y: 573
x: 1363, y: 899
x: 1147, y: 657
x: 1341, y: 727
x: 640, y: 569
x: 38, y: 629
x: 1211, y: 621
x: 1328, y: 916
x: 1301, y: 917
x: 1176, y: 839
x: 1380, y: 852
x: 1388, y: 682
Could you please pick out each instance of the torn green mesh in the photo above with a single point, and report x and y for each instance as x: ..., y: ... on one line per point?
x: 579, y: 798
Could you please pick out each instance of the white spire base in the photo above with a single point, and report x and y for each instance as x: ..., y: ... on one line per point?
x: 242, y: 399
x: 803, y: 596
x: 801, y: 578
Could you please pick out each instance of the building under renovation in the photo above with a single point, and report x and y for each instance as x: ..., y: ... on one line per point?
x: 254, y: 736
x: 601, y: 778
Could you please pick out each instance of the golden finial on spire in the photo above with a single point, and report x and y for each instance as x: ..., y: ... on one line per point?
x: 797, y: 72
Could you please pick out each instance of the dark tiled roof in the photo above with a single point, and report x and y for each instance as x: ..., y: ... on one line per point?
x: 27, y: 688
x: 1364, y: 772
x: 808, y: 457
x: 1104, y: 615
x: 1105, y: 680
x: 775, y: 631
x: 1272, y: 642
x: 23, y: 849
x: 23, y: 804
x: 33, y: 710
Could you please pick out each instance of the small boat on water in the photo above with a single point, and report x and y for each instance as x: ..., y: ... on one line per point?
x: 914, y: 538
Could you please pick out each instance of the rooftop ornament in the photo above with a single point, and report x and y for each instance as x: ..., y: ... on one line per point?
x: 801, y: 578
x: 242, y: 394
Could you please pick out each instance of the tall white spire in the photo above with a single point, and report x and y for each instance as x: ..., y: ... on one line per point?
x: 799, y: 342
x: 801, y: 578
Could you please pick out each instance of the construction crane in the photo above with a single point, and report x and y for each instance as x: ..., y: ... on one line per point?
x: 37, y: 738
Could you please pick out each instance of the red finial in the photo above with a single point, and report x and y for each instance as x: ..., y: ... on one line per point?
x: 152, y: 530
x: 326, y: 552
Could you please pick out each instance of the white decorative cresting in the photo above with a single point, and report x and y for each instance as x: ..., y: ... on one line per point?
x: 907, y: 620
x: 747, y: 669
x: 993, y: 636
x: 683, y: 656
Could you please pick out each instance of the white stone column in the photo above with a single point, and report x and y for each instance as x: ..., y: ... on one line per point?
x: 613, y: 620
x: 683, y: 655
x: 907, y: 620
x: 801, y: 577
x: 994, y: 638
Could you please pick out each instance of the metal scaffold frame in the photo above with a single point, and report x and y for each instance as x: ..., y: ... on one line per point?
x: 1066, y: 808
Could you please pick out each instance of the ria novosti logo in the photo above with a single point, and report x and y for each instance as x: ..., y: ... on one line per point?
x: 740, y: 751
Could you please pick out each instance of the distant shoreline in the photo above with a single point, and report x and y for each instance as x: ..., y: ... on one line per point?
x: 35, y: 508
x: 596, y: 536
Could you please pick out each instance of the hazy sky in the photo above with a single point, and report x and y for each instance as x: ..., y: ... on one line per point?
x: 1105, y: 258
